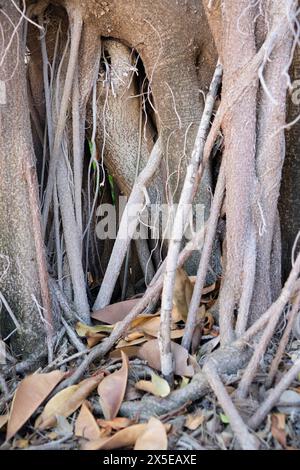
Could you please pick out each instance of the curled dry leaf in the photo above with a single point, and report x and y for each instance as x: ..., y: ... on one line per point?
x: 130, y: 351
x: 115, y: 312
x: 124, y: 438
x: 112, y: 390
x: 65, y: 402
x: 150, y: 353
x: 29, y: 395
x: 87, y: 330
x: 86, y: 425
x: 154, y: 436
x: 157, y: 386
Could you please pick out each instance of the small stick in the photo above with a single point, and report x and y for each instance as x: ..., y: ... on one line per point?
x: 239, y: 428
x: 74, y: 340
x: 260, y: 348
x: 274, y: 396
x: 205, y: 257
x: 283, y: 341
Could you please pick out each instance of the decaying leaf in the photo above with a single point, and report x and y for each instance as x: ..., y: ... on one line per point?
x: 152, y: 326
x: 157, y: 386
x: 112, y: 390
x: 124, y: 438
x: 65, y: 402
x: 86, y: 425
x: 278, y: 428
x: 114, y: 312
x: 150, y: 353
x: 30, y: 394
x: 154, y: 437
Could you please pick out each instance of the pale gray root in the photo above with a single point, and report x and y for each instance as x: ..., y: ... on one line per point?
x: 179, y: 226
x: 274, y: 396
x: 18, y: 243
x: 72, y: 240
x: 151, y: 293
x: 263, y: 342
x: 145, y: 260
x: 270, y: 151
x: 127, y: 228
x: 205, y: 257
x: 242, y: 434
x: 239, y: 128
x: 85, y: 76
x: 55, y: 153
x: 284, y: 340
x: 58, y: 293
x: 276, y: 260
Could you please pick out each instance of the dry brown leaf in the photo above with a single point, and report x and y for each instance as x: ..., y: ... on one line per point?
x: 157, y: 386
x: 116, y: 424
x: 114, y: 312
x: 124, y: 438
x: 152, y: 327
x: 112, y: 390
x: 65, y: 402
x: 86, y: 425
x: 29, y: 395
x: 150, y: 353
x: 133, y: 336
x: 84, y: 330
x: 278, y: 428
x: 193, y: 421
x: 94, y: 339
x: 154, y: 437
x: 21, y: 443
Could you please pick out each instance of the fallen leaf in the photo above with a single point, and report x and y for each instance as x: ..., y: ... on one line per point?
x: 143, y: 318
x: 124, y: 438
x: 278, y: 428
x: 154, y: 437
x: 114, y: 312
x: 116, y: 424
x: 29, y: 395
x: 86, y: 425
x: 94, y: 339
x: 150, y: 353
x: 133, y: 336
x: 193, y: 421
x: 152, y: 328
x: 184, y: 382
x: 157, y: 386
x: 112, y: 390
x: 65, y: 402
x: 86, y: 330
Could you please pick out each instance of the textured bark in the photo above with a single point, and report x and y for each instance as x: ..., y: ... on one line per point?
x: 21, y: 281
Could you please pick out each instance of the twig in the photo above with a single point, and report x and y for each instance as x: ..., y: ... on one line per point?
x: 242, y: 434
x: 73, y: 337
x: 178, y: 228
x: 10, y: 312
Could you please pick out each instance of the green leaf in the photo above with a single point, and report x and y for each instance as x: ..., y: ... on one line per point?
x: 224, y: 419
